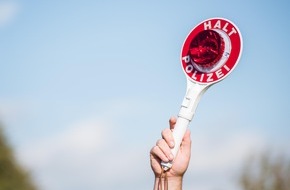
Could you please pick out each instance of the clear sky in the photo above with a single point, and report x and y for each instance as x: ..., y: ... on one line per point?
x: 87, y: 86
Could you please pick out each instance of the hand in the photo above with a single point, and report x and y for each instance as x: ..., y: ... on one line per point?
x: 162, y: 152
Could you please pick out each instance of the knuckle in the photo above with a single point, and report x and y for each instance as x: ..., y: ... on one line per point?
x: 154, y: 149
x: 165, y: 132
x: 159, y: 142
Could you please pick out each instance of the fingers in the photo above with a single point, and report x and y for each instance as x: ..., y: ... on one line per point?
x: 162, y: 151
x: 163, y: 146
x: 172, y: 122
x: 168, y: 137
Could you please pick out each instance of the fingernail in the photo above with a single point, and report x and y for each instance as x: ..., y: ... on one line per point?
x: 171, y: 157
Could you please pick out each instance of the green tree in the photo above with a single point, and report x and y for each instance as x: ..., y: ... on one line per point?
x: 266, y: 172
x: 12, y: 175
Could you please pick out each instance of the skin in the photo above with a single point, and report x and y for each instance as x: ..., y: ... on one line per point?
x: 162, y: 152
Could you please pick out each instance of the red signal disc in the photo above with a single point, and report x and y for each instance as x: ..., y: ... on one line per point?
x: 211, y: 50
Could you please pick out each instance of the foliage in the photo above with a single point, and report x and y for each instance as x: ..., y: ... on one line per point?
x: 266, y: 172
x: 12, y: 175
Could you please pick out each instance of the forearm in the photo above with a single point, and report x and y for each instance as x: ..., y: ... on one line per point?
x: 174, y: 183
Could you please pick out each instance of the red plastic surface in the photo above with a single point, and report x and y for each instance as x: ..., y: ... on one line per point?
x: 207, y: 48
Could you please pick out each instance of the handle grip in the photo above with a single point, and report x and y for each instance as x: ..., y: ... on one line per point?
x: 186, y: 113
x: 178, y: 133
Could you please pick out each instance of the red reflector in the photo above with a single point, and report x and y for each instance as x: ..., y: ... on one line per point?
x: 207, y: 48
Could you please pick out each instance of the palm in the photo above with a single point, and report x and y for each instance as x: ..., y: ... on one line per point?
x: 180, y: 163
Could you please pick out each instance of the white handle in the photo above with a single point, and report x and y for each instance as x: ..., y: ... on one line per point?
x: 186, y: 113
x: 178, y: 133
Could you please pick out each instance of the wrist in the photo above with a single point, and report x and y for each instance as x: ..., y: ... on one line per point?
x: 174, y: 183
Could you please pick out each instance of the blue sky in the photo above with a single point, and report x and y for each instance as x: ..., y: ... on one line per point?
x: 86, y: 88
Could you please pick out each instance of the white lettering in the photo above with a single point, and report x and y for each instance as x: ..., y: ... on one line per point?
x: 207, y: 25
x: 218, y: 24
x: 219, y: 73
x: 201, y: 77
x: 186, y: 59
x: 194, y: 75
x: 209, y: 77
x: 226, y: 67
x: 225, y: 27
x: 188, y: 68
x: 233, y: 31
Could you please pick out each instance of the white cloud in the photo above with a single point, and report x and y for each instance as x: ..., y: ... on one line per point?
x: 12, y: 109
x: 8, y: 11
x: 216, y: 161
x: 95, y: 153
x: 57, y: 159
x: 88, y: 154
x: 225, y: 151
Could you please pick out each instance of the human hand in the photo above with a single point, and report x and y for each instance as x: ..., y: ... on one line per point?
x: 162, y: 152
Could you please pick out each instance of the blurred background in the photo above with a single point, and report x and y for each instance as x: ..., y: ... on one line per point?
x: 87, y: 86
